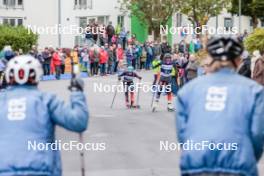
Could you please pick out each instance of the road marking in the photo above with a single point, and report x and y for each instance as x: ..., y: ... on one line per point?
x: 102, y: 115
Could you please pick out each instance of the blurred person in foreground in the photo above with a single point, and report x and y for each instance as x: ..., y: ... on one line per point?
x: 29, y: 116
x: 221, y: 114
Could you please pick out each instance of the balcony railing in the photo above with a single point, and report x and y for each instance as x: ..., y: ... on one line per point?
x: 11, y: 6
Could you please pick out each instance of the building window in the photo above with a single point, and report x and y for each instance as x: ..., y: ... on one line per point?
x: 13, y: 21
x: 103, y: 20
x: 5, y: 21
x: 262, y: 22
x: 82, y: 4
x: 19, y: 22
x: 228, y: 24
x: 20, y: 2
x: 83, y: 22
x: 12, y: 4
x: 178, y: 19
x: 121, y: 21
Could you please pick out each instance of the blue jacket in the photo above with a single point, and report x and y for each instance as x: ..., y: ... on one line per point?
x: 221, y: 108
x: 28, y: 115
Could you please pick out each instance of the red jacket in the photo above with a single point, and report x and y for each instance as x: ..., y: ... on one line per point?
x: 56, y: 59
x: 103, y: 56
x: 120, y: 54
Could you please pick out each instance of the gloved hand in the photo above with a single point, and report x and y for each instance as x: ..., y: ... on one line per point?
x: 77, y: 84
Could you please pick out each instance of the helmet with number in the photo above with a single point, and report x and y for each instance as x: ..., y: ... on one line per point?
x: 130, y: 68
x: 225, y: 48
x: 23, y: 69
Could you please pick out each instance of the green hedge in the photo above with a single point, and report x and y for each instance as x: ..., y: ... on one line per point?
x: 255, y: 41
x: 18, y: 37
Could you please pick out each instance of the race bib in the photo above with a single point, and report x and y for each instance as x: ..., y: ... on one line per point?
x: 216, y: 98
x: 17, y: 109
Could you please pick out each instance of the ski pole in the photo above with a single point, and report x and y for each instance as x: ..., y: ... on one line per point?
x: 138, y: 94
x: 153, y: 96
x: 114, y: 97
x: 80, y: 134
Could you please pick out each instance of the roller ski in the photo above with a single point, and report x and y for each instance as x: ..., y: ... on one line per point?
x: 132, y: 106
x: 170, y: 107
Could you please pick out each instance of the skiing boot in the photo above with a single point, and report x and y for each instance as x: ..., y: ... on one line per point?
x: 128, y: 105
x: 155, y: 105
x: 132, y: 106
x: 170, y: 107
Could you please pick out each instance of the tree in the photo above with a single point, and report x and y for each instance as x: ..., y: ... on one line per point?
x: 255, y: 41
x: 151, y: 13
x: 199, y: 11
x: 252, y: 8
x: 18, y: 37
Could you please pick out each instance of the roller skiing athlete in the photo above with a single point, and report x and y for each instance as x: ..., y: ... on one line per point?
x: 29, y: 116
x: 164, y: 84
x: 226, y: 110
x: 129, y: 87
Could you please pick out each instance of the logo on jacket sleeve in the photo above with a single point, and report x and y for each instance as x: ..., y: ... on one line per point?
x: 17, y: 109
x: 216, y: 98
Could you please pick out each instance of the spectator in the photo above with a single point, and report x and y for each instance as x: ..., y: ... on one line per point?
x: 95, y: 26
x: 89, y: 35
x: 119, y: 55
x: 165, y: 48
x: 143, y: 58
x: 156, y: 49
x: 110, y: 31
x: 191, y: 68
x: 103, y: 60
x: 62, y: 56
x: 94, y: 60
x: 149, y: 55
x: 56, y: 60
x: 47, y: 61
x: 129, y: 55
x: 123, y: 38
x: 85, y: 59
x: 110, y: 62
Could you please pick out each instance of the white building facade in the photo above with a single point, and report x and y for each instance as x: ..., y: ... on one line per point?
x: 49, y: 15
x: 224, y: 20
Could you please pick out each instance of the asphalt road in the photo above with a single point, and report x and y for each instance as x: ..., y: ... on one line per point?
x: 131, y: 137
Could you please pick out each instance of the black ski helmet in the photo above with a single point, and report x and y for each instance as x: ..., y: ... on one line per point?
x: 224, y: 48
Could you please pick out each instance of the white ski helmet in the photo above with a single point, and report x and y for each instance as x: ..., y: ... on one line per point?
x: 23, y: 69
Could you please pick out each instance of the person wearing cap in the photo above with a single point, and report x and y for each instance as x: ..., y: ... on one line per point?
x: 129, y: 87
x: 28, y: 118
x: 220, y: 117
x: 167, y: 70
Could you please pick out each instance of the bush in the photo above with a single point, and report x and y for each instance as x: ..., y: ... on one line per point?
x: 255, y: 41
x: 18, y: 37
